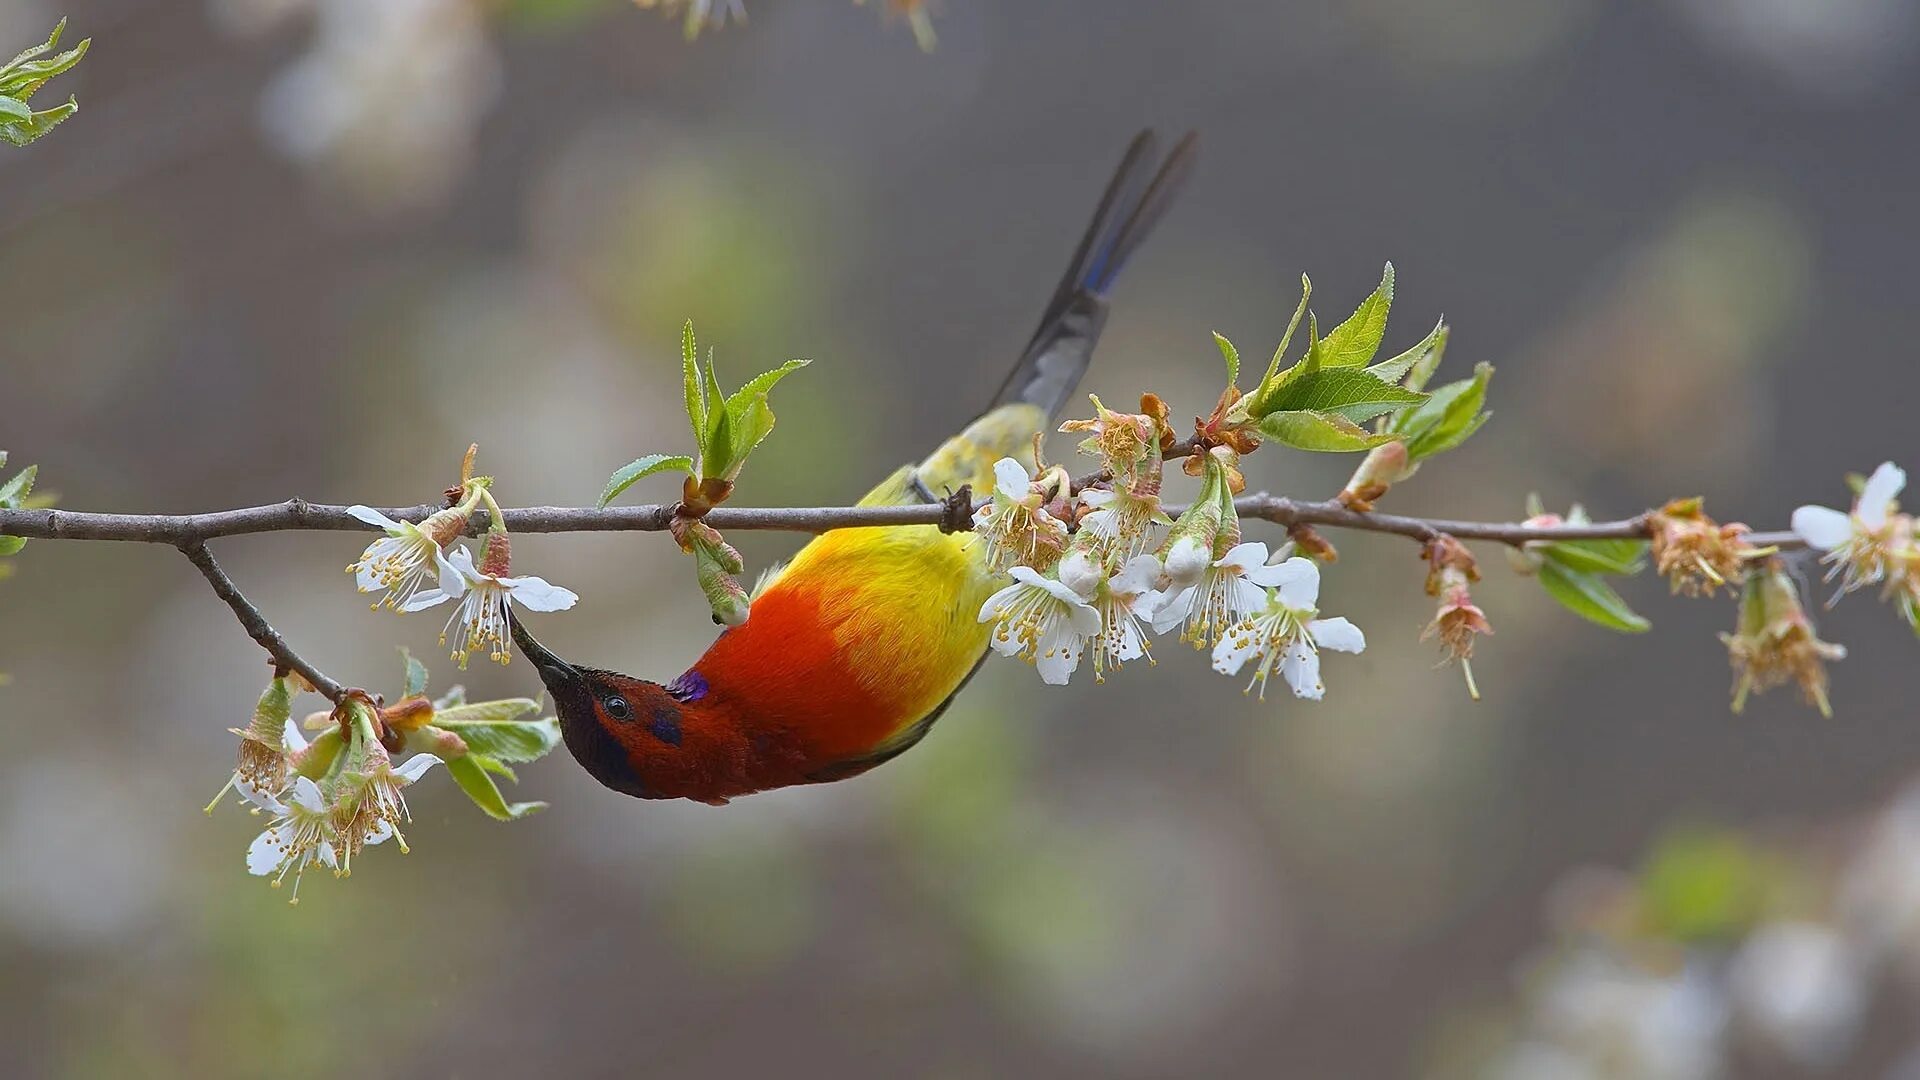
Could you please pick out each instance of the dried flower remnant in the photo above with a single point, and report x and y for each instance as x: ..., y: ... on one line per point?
x: 1692, y: 551
x: 1451, y: 572
x: 260, y: 775
x: 1774, y: 641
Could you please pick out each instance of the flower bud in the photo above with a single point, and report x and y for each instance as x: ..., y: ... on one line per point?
x: 1310, y: 543
x: 1384, y: 466
x: 715, y: 564
x: 1082, y: 570
x: 1186, y: 558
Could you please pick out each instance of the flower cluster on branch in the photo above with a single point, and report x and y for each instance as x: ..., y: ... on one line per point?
x: 1092, y: 569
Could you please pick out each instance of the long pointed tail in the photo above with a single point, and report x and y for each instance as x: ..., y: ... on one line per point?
x: 1062, y: 347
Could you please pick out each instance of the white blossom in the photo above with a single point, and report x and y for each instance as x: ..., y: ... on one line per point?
x: 1042, y: 622
x: 1287, y: 633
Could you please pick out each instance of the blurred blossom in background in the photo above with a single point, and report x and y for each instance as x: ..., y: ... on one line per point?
x: 279, y: 231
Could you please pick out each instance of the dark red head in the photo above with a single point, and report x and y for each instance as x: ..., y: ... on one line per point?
x: 610, y: 721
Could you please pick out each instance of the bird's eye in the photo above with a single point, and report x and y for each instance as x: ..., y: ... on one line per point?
x: 618, y: 708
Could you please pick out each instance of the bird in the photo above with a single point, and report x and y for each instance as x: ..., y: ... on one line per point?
x: 855, y: 647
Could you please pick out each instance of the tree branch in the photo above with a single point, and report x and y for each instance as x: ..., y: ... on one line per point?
x: 190, y: 532
x: 256, y: 625
x: 185, y: 530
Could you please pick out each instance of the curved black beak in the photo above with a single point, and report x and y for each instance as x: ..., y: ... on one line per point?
x: 554, y: 671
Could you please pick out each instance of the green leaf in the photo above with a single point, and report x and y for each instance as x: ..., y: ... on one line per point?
x: 1231, y: 355
x: 1353, y: 343
x: 1416, y: 364
x: 1450, y: 416
x: 23, y: 74
x: 1353, y: 394
x: 416, y: 676
x: 1322, y: 431
x: 1597, y: 556
x: 496, y: 767
x: 1273, y: 366
x: 53, y: 40
x: 15, y: 491
x: 715, y: 399
x: 625, y: 477
x: 473, y: 779
x: 762, y: 384
x: 20, y: 134
x: 750, y: 417
x: 11, y: 545
x: 485, y: 712
x: 513, y: 740
x: 1587, y: 596
x: 695, y: 390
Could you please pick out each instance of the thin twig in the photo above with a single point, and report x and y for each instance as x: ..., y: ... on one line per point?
x: 182, y: 530
x: 256, y: 625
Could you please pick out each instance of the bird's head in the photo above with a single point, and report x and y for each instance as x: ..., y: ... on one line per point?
x: 605, y: 716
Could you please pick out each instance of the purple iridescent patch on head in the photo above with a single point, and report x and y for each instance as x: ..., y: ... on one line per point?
x: 691, y: 686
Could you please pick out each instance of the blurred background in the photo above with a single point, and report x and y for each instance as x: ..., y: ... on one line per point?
x: 315, y: 247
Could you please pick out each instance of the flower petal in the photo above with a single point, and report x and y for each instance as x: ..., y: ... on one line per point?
x: 999, y: 601
x: 1235, y: 648
x: 307, y: 794
x: 1173, y: 608
x: 1083, y: 620
x: 1010, y: 478
x: 452, y: 581
x: 1244, y: 557
x: 267, y: 852
x: 296, y: 742
x: 1299, y: 583
x: 374, y: 517
x: 1822, y: 528
x: 258, y: 797
x: 1337, y: 634
x: 1059, y: 654
x: 1136, y: 578
x: 426, y: 598
x: 416, y: 766
x: 1877, y: 495
x: 1301, y: 669
x: 535, y: 594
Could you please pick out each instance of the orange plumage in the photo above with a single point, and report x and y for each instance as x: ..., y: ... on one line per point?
x: 853, y: 650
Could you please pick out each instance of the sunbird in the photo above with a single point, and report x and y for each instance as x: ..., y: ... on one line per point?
x: 853, y: 649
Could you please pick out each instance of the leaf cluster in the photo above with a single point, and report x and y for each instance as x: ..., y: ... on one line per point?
x: 726, y: 427
x: 20, y: 122
x: 495, y: 735
x: 1321, y: 400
